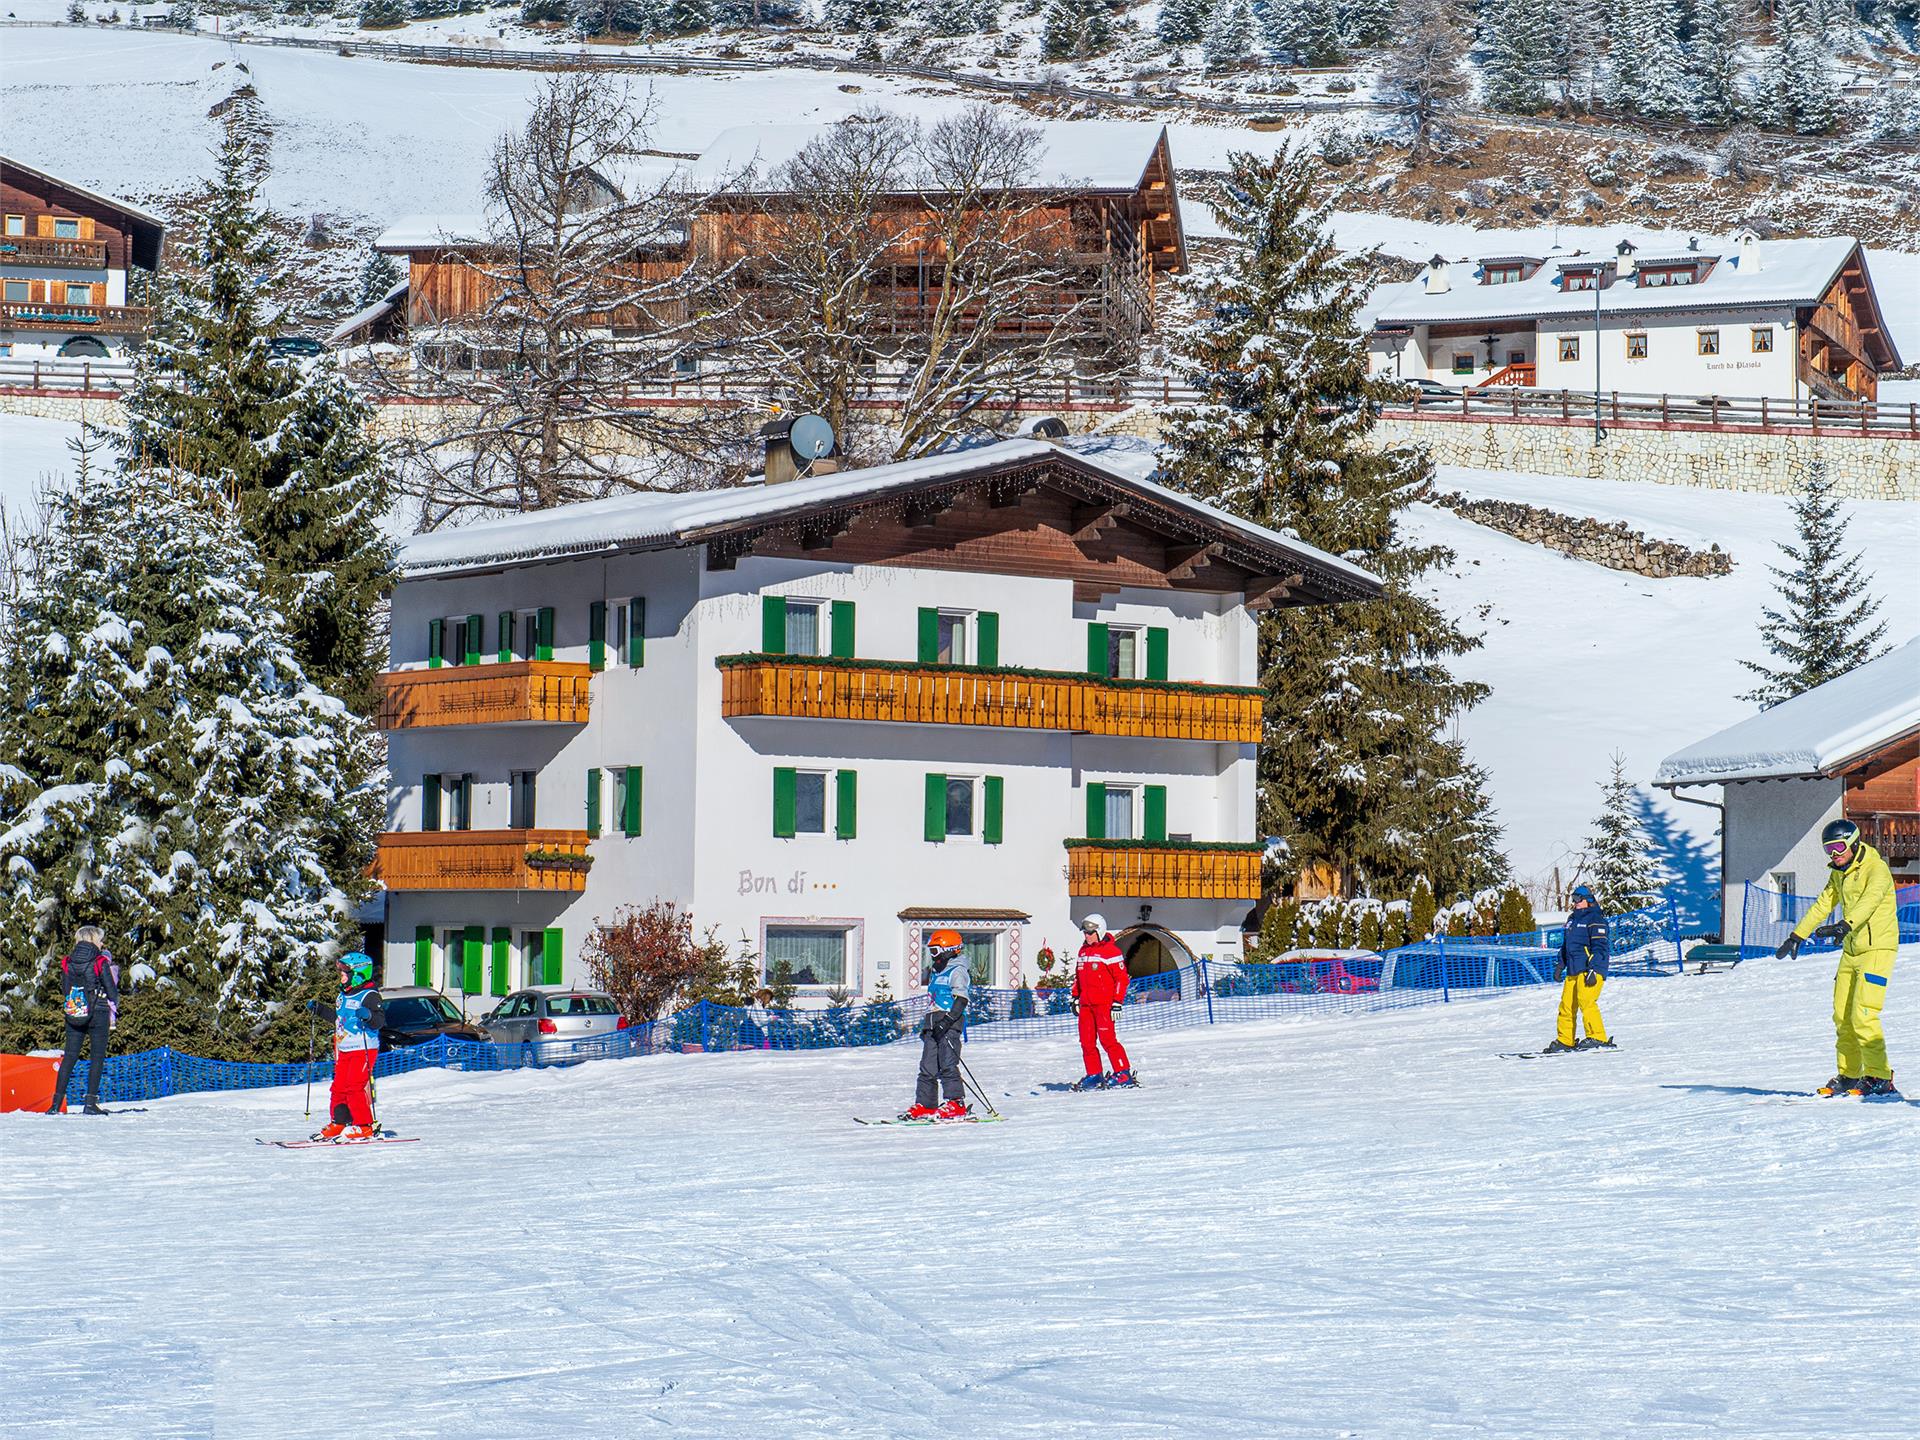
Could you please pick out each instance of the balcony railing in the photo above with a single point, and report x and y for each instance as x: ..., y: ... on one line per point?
x: 824, y: 689
x: 1896, y: 836
x: 52, y: 315
x: 483, y: 860
x: 520, y: 692
x: 49, y: 250
x: 1163, y: 870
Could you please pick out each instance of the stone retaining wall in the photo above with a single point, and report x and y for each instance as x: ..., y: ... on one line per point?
x: 1602, y: 542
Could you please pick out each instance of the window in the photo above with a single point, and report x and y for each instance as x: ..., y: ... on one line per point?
x: 628, y: 786
x: 1120, y: 809
x: 533, y: 954
x: 1569, y: 347
x: 1501, y: 275
x: 951, y: 646
x: 982, y: 950
x: 1763, y: 339
x: 516, y: 1007
x: 458, y: 805
x: 526, y: 634
x: 1123, y: 652
x: 1581, y: 280
x: 1463, y: 362
x: 629, y: 619
x: 520, y: 802
x: 815, y: 955
x: 958, y: 637
x: 1709, y: 341
x: 455, y: 640
x: 806, y: 802
x: 453, y: 961
x: 18, y: 291
x: 79, y: 294
x: 16, y: 224
x: 1139, y: 812
x: 806, y: 627
x: 1636, y: 345
x: 1785, y: 883
x: 810, y: 802
x: 1516, y: 357
x: 960, y: 807
x: 66, y: 229
x: 430, y: 793
x: 803, y: 627
x: 1659, y: 279
x: 6, y: 348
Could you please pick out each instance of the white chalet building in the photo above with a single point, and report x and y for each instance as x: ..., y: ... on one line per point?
x: 996, y: 689
x: 1784, y: 319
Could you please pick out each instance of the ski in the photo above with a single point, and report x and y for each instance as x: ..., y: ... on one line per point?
x: 1548, y: 1054
x: 1062, y: 1087
x: 311, y: 1144
x: 929, y: 1124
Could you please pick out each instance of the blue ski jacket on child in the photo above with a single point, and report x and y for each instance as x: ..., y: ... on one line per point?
x: 356, y: 1024
x: 944, y: 985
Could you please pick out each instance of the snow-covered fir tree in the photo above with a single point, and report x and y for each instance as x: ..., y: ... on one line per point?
x: 292, y: 448
x: 1181, y: 22
x: 382, y: 14
x: 1646, y: 62
x: 1359, y: 768
x: 1620, y: 863
x: 1799, y: 91
x: 1229, y: 38
x: 1317, y: 32
x: 1715, y: 97
x: 949, y: 17
x: 1896, y: 112
x: 378, y: 275
x: 1824, y: 624
x: 171, y: 774
x: 1365, y: 23
x: 1071, y: 29
x: 1518, y: 39
x: 861, y: 16
x: 1275, y: 24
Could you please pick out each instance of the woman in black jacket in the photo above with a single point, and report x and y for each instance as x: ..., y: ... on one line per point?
x: 92, y: 1003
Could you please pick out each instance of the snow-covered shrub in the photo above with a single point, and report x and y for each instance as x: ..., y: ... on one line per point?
x: 382, y: 14
x: 1607, y: 169
x: 76, y: 13
x: 1671, y: 160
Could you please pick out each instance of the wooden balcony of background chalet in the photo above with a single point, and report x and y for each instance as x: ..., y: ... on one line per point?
x: 481, y: 860
x: 47, y: 250
x: 1895, y: 836
x: 1517, y: 374
x: 51, y: 315
x: 519, y: 692
x: 958, y: 695
x: 1170, y: 871
x: 1842, y: 331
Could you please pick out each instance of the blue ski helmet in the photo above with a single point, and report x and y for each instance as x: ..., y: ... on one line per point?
x: 356, y: 969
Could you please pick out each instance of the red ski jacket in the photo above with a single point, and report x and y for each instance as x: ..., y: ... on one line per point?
x: 1100, y: 977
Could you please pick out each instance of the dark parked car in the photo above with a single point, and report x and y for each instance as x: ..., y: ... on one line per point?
x: 1431, y: 390
x: 418, y: 1013
x: 553, y: 1017
x: 299, y: 347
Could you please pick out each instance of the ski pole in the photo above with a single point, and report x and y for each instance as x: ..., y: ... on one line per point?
x: 310, y: 1025
x: 974, y: 1086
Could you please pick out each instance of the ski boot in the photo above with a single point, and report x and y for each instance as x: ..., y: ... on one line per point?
x: 919, y: 1112
x: 1876, y: 1085
x: 1559, y: 1047
x: 1092, y: 1082
x: 1587, y: 1042
x: 93, y: 1108
x: 1840, y: 1085
x: 361, y: 1132
x: 1121, y: 1079
x: 332, y: 1130
x: 953, y: 1110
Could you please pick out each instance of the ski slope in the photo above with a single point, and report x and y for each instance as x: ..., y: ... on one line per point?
x: 1355, y: 1226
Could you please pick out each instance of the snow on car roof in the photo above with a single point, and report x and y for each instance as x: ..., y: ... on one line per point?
x: 1815, y: 733
x: 650, y: 520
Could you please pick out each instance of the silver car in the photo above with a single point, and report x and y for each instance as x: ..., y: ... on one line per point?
x: 563, y: 1023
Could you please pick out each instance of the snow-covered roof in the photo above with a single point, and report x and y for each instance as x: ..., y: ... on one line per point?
x: 1816, y: 733
x: 1789, y: 272
x: 425, y: 232
x: 1078, y: 155
x: 385, y: 305
x: 657, y: 520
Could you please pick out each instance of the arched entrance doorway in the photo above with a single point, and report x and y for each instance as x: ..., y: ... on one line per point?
x: 1154, y: 960
x: 83, y: 347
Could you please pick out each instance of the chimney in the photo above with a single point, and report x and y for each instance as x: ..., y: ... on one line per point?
x: 1437, y: 281
x: 1748, y: 258
x: 1625, y: 250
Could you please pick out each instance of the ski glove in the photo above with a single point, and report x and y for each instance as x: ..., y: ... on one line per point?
x: 1560, y: 971
x: 1837, y: 930
x: 1789, y: 948
x: 1592, y: 977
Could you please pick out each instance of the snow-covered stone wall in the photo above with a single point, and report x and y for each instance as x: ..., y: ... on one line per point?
x: 1602, y: 542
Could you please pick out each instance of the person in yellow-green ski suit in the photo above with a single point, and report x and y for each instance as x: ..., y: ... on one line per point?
x: 1861, y: 887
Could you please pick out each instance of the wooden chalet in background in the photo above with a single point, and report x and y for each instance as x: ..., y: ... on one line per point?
x: 1104, y: 202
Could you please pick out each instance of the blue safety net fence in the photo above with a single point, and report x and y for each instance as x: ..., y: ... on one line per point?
x: 1436, y: 971
x: 1768, y: 916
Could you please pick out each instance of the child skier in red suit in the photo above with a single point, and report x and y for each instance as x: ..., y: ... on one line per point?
x: 356, y: 1048
x: 1099, y: 989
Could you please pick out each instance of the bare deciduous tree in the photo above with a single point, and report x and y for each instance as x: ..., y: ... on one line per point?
x: 576, y: 295
x: 1422, y: 70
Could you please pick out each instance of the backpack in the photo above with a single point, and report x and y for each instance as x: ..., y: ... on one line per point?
x: 79, y: 1006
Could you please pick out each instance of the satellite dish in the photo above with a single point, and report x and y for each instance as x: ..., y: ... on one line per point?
x: 811, y: 437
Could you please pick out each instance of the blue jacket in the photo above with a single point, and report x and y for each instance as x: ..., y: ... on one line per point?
x: 954, y: 982
x: 1583, y: 946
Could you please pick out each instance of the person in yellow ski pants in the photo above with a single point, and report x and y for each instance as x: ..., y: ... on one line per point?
x: 1861, y: 885
x: 1584, y: 953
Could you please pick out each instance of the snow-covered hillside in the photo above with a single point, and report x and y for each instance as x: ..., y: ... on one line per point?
x: 1363, y: 1226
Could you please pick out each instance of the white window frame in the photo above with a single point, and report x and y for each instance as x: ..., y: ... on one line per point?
x: 977, y: 809
x: 853, y: 934
x: 1138, y: 633
x: 1786, y: 882
x: 453, y: 959
x: 1135, y: 812
x: 822, y: 626
x: 828, y: 799
x: 966, y: 636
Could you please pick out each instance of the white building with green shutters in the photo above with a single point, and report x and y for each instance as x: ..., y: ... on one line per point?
x: 993, y: 690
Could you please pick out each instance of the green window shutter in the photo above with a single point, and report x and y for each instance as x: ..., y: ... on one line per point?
x: 1156, y: 817
x: 423, y: 954
x: 1096, y: 649
x: 993, y: 789
x: 593, y: 804
x: 783, y: 786
x: 773, y: 624
x: 551, y: 948
x: 1157, y: 652
x: 502, y: 942
x: 436, y: 642
x: 846, y: 801
x: 476, y: 632
x: 503, y: 628
x: 637, y: 631
x: 936, y: 805
x: 472, y: 958
x: 929, y: 639
x: 543, y: 634
x: 597, y: 635
x: 986, y: 638
x: 842, y: 647
x: 630, y: 800
x: 1096, y: 810
x: 429, y: 802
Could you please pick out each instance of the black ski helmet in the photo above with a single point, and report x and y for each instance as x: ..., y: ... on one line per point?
x: 1841, y: 832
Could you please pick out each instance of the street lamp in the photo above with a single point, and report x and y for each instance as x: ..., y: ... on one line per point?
x: 1599, y: 284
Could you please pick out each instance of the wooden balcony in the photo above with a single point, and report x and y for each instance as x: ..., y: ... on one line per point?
x: 1163, y: 871
x: 483, y: 860
x: 1895, y: 836
x: 1518, y: 373
x: 48, y: 250
x: 822, y: 689
x: 52, y: 315
x: 1828, y: 320
x: 520, y: 692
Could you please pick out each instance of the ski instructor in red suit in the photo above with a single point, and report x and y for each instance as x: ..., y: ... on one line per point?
x: 1099, y: 989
